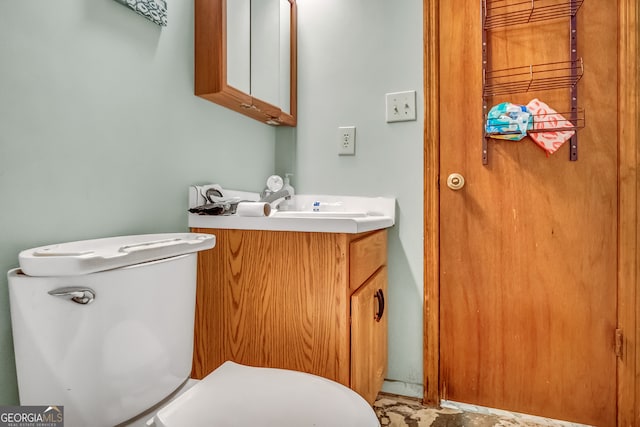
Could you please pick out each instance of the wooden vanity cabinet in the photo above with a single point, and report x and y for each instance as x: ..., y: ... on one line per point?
x: 311, y: 302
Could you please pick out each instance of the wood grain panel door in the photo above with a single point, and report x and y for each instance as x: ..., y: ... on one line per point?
x: 528, y: 245
x: 369, y: 336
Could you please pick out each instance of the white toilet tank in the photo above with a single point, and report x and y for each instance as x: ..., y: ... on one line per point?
x: 105, y: 327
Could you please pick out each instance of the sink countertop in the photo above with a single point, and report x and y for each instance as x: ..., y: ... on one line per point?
x: 370, y: 213
x: 322, y: 225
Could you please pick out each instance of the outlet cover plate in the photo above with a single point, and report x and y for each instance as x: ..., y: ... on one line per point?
x: 401, y: 106
x: 347, y: 141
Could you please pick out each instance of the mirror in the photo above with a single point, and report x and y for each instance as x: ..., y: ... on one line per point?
x: 245, y: 57
x: 258, y: 49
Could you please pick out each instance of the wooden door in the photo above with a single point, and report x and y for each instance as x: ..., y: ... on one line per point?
x: 369, y: 336
x: 528, y: 246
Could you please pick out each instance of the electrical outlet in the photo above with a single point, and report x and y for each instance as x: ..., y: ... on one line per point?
x: 401, y: 106
x: 347, y: 141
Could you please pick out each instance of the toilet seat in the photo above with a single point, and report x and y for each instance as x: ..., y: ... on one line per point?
x: 239, y: 396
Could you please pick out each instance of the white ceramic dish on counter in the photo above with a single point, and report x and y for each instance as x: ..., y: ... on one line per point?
x: 310, y: 213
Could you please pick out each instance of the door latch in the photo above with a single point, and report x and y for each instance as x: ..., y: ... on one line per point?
x: 619, y: 343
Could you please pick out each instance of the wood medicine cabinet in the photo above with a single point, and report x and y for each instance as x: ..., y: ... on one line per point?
x: 245, y: 57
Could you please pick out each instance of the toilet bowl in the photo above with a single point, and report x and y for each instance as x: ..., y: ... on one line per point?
x: 104, y: 328
x: 238, y: 395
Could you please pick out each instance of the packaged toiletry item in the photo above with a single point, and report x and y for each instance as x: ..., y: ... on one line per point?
x: 545, y: 117
x: 508, y: 121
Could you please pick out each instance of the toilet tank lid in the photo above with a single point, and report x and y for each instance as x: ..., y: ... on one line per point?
x: 91, y: 256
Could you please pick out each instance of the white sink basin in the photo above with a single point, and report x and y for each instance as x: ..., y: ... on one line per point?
x: 312, y: 214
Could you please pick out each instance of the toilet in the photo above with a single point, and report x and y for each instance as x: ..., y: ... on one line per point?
x: 104, y: 328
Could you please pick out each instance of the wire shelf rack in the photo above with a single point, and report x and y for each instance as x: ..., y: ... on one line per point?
x: 558, y: 122
x: 502, y: 13
x: 539, y: 77
x: 552, y: 75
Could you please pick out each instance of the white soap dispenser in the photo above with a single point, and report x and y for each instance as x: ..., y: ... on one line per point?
x: 288, y: 205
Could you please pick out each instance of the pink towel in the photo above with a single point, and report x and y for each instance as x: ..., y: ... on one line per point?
x: 545, y: 117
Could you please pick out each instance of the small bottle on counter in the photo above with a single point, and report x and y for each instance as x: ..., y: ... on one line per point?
x: 288, y: 204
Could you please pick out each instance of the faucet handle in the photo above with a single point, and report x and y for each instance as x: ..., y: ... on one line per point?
x: 275, y: 183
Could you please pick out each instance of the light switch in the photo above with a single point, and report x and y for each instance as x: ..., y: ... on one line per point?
x: 401, y: 106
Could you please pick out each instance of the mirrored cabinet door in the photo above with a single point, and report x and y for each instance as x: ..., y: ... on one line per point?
x: 245, y: 57
x: 239, y: 44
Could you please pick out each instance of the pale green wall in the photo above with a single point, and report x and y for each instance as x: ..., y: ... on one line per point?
x: 100, y: 133
x: 352, y: 52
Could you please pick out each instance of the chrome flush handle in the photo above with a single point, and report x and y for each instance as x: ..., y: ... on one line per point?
x: 76, y: 294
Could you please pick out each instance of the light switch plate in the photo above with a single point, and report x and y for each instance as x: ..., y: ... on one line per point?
x: 401, y: 106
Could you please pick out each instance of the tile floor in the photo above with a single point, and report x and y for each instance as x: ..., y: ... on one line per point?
x: 399, y: 411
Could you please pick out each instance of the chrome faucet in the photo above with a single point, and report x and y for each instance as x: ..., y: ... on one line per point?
x: 275, y: 197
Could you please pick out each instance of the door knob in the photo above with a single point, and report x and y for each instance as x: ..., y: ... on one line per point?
x: 455, y: 181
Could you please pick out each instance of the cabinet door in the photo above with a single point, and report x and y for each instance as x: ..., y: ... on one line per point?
x: 369, y: 336
x: 275, y: 299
